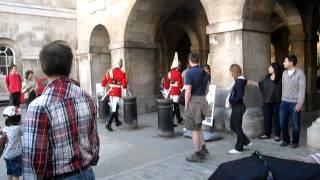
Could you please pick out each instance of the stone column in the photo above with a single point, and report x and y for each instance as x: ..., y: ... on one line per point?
x: 84, y: 68
x: 313, y: 134
x: 141, y: 66
x: 237, y: 42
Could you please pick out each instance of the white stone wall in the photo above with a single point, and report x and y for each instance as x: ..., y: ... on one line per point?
x: 26, y: 26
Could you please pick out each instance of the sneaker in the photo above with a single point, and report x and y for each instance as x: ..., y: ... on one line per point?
x: 284, y: 144
x: 264, y: 137
x: 277, y: 138
x: 248, y: 146
x: 204, y: 151
x: 294, y: 145
x: 234, y: 151
x: 195, y: 157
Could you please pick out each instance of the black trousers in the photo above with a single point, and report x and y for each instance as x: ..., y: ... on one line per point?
x: 271, y: 114
x: 32, y: 96
x: 236, y: 126
x: 14, y: 99
x: 176, y: 112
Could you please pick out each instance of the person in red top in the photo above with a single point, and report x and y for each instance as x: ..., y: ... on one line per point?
x: 116, y: 79
x: 13, y: 86
x: 173, y: 85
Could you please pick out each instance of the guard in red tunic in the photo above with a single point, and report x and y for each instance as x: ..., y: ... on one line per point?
x: 117, y: 81
x: 172, y: 87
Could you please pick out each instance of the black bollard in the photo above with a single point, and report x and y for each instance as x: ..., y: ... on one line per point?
x: 104, y: 108
x: 165, y: 121
x: 130, y: 115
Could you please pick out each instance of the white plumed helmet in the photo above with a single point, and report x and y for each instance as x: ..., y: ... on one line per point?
x: 11, y: 111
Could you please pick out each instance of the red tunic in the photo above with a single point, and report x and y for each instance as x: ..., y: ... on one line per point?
x: 116, y: 80
x: 174, y: 79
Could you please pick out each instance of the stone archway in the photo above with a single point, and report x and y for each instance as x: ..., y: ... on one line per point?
x: 154, y: 31
x: 100, y: 57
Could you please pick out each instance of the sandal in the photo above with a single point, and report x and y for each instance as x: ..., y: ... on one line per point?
x: 264, y: 137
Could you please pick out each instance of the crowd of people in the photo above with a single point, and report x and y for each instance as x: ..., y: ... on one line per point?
x: 60, y: 138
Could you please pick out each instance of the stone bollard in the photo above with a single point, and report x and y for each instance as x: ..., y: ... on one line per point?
x: 252, y: 122
x: 313, y: 134
x: 130, y: 115
x: 165, y: 121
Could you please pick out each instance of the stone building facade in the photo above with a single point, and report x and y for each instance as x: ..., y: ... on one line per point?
x: 27, y: 25
x: 146, y: 33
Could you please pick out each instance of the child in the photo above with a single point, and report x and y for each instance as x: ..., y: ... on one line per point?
x: 13, y: 150
x: 235, y: 99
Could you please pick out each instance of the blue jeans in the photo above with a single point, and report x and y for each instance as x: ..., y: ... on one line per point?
x: 86, y: 174
x: 287, y: 110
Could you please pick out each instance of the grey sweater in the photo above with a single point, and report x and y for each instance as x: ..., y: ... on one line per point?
x: 294, y: 87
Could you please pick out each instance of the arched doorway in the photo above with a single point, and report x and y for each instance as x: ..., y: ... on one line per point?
x: 154, y: 31
x: 100, y: 58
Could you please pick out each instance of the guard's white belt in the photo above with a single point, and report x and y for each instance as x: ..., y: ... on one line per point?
x: 174, y: 85
x: 115, y: 86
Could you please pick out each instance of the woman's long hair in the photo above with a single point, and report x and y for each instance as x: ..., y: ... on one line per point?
x: 277, y: 71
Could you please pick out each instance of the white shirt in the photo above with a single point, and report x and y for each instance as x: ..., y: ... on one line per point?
x: 290, y: 72
x: 14, y: 145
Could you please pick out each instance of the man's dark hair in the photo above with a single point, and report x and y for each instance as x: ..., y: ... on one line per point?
x: 293, y: 58
x: 56, y: 59
x: 12, y: 66
x: 28, y: 73
x: 194, y: 58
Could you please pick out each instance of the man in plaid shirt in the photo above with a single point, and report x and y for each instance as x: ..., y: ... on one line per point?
x: 60, y: 130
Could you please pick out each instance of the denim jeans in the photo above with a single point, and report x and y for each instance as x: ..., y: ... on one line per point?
x: 287, y: 110
x: 271, y: 113
x: 236, y: 126
x: 86, y: 174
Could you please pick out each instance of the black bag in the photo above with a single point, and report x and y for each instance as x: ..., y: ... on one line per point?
x: 182, y: 97
x: 265, y: 167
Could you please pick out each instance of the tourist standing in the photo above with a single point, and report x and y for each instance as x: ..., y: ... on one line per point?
x: 13, y: 86
x: 172, y: 86
x: 196, y: 106
x: 29, y: 88
x: 270, y: 88
x: 293, y: 96
x: 60, y: 138
x: 117, y: 81
x: 235, y: 98
x: 13, y: 151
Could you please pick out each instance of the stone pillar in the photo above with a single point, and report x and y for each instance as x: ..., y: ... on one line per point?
x: 142, y: 68
x: 234, y: 42
x: 84, y: 66
x: 313, y: 134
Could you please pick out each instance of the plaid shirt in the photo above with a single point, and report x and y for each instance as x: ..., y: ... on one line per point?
x: 60, y: 132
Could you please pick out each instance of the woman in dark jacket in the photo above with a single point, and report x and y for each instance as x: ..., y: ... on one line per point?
x: 271, y: 91
x: 235, y: 99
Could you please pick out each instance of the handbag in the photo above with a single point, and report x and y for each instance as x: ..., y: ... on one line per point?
x: 182, y: 97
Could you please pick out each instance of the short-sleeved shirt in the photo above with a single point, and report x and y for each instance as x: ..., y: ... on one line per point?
x: 198, y: 79
x: 13, y: 82
x: 14, y: 145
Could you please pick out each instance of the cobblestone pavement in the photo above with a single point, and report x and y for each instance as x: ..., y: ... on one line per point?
x: 142, y: 155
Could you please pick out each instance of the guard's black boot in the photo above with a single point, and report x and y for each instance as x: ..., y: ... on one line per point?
x: 177, y: 112
x: 110, y: 119
x: 116, y: 117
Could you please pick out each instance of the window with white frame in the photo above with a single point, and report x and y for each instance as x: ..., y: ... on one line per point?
x: 6, y: 59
